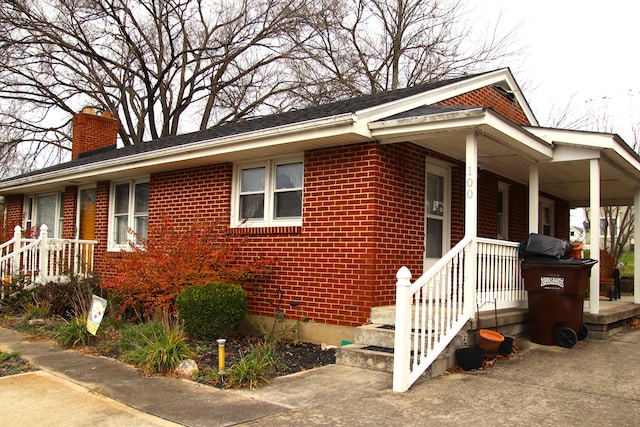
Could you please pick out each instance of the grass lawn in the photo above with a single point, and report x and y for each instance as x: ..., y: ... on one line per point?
x: 627, y: 259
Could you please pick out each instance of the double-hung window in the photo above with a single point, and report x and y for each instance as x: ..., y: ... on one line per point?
x: 269, y: 193
x: 45, y: 209
x: 129, y: 212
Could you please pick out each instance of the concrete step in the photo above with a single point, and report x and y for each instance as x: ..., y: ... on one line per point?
x: 383, y: 315
x: 376, y: 335
x: 358, y: 356
x: 381, y: 359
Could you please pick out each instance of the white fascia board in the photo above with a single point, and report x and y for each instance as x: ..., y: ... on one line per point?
x: 568, y: 153
x: 448, y: 91
x: 326, y: 127
x: 480, y: 119
x: 589, y: 140
x: 573, y: 137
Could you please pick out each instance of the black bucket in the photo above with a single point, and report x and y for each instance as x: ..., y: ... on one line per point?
x: 470, y: 357
x: 506, y: 347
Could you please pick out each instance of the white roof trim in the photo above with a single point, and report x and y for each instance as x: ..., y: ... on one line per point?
x: 449, y: 91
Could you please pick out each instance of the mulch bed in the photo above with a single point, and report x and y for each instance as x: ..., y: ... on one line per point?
x: 293, y: 356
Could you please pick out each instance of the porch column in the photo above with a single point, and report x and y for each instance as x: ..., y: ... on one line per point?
x: 594, y: 237
x: 534, y: 197
x: 471, y: 222
x: 636, y: 257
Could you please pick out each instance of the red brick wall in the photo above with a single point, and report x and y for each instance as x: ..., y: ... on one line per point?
x: 400, y: 222
x: 490, y: 97
x: 91, y: 132
x: 206, y: 191
x: 14, y: 206
x: 70, y: 212
x: 101, y: 228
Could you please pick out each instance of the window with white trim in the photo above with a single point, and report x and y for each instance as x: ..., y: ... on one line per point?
x: 129, y: 216
x: 42, y: 209
x: 268, y: 193
x: 547, y: 217
x: 503, y: 211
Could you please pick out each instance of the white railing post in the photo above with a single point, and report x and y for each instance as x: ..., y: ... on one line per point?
x: 43, y: 266
x: 17, y: 244
x: 402, y: 347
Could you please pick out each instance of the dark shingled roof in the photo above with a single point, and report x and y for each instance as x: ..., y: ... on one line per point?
x: 256, y: 124
x: 427, y: 110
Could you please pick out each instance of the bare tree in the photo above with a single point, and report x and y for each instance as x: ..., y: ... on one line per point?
x: 161, y: 67
x: 165, y: 67
x: 367, y: 46
x: 616, y: 227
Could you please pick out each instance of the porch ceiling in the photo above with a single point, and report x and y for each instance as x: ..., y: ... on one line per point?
x: 564, y: 171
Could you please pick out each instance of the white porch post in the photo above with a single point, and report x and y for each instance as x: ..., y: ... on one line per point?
x: 594, y: 237
x: 534, y: 197
x: 471, y: 222
x: 636, y: 258
x: 17, y: 244
x: 43, y: 249
x: 402, y: 344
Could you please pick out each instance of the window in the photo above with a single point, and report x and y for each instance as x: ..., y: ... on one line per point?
x: 45, y: 209
x: 130, y: 212
x: 437, y: 212
x: 269, y: 193
x: 503, y: 211
x: 546, y: 215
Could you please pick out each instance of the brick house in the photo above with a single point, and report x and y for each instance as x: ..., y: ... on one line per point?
x: 342, y: 194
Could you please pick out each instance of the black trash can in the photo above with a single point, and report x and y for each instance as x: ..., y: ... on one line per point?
x: 556, y: 290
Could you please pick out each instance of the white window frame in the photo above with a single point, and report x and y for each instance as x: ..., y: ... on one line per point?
x: 269, y: 219
x: 443, y: 170
x: 55, y: 229
x: 112, y: 245
x: 503, y: 216
x: 548, y: 204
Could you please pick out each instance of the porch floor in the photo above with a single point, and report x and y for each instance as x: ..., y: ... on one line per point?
x: 613, y: 317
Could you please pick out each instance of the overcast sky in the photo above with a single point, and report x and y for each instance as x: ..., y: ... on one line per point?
x: 580, y: 52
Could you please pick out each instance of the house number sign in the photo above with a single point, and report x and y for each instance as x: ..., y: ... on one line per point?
x: 470, y: 186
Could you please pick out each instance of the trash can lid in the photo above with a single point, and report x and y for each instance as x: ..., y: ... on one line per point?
x: 559, y: 262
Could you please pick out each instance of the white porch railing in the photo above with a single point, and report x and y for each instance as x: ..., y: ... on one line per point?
x: 432, y: 311
x: 33, y: 261
x: 434, y: 308
x: 499, y: 276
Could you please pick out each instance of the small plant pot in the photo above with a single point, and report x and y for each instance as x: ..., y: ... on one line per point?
x: 490, y: 341
x: 470, y: 357
x: 506, y: 347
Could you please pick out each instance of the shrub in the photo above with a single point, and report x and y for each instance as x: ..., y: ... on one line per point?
x: 37, y: 310
x: 150, y: 274
x: 67, y: 299
x: 74, y: 332
x: 156, y: 347
x: 17, y: 303
x: 212, y: 311
x: 255, y: 367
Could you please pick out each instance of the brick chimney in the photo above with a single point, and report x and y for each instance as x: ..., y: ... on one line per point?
x: 92, y: 131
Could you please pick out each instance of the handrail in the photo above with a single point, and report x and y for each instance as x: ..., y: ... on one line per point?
x: 431, y: 311
x: 429, y: 314
x: 43, y: 259
x: 442, y: 262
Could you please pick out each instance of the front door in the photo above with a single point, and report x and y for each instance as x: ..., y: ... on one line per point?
x: 86, y: 224
x: 437, y: 214
x: 87, y: 214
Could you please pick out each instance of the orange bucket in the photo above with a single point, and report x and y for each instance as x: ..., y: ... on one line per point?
x: 490, y: 341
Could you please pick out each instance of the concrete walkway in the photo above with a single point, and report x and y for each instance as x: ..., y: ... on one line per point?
x: 595, y: 383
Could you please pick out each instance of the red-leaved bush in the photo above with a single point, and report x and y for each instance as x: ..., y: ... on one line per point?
x: 149, y: 275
